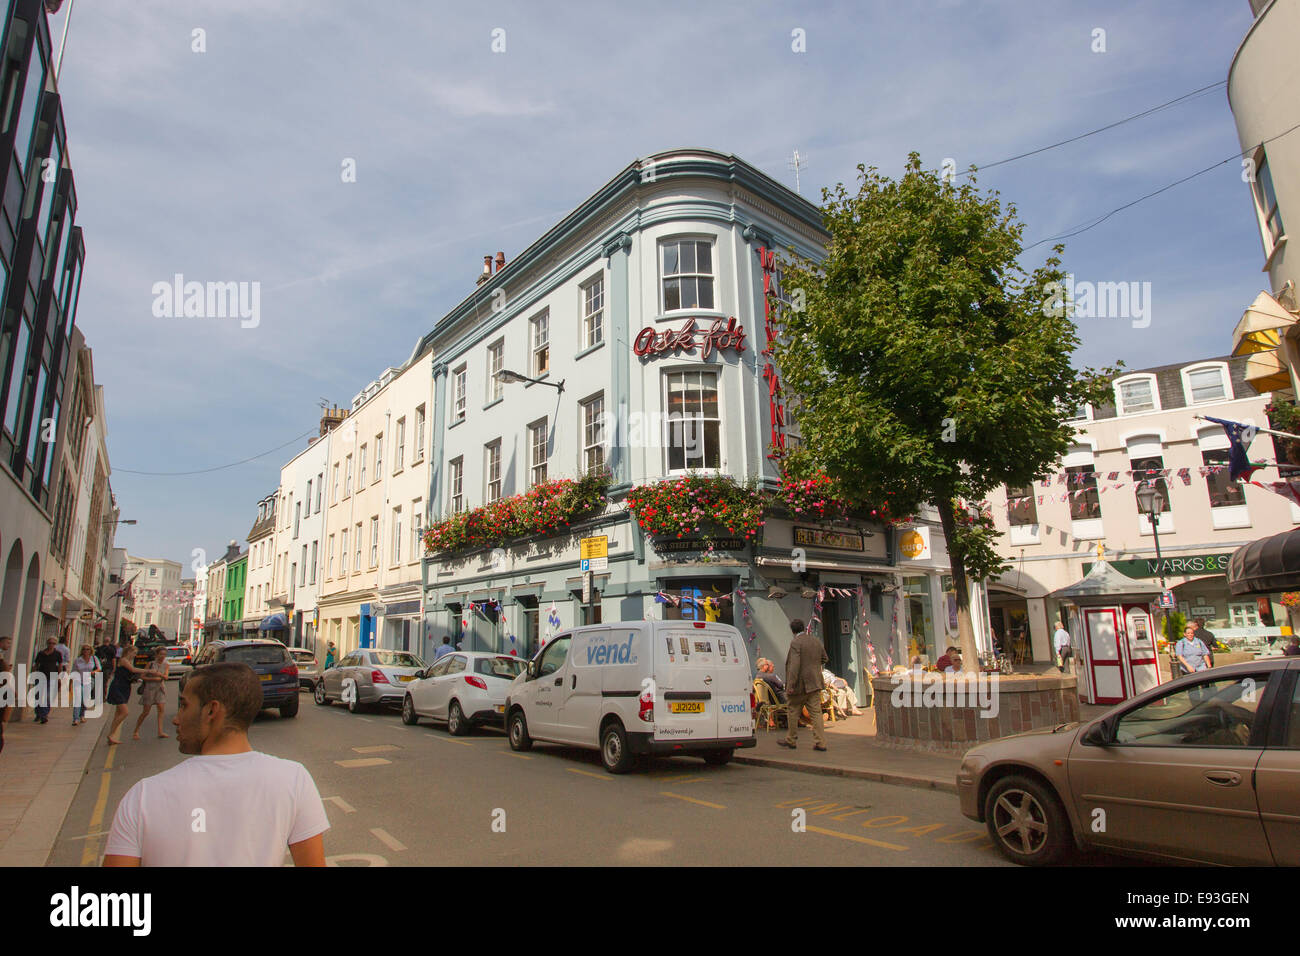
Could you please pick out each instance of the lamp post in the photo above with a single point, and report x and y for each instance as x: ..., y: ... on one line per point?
x: 507, y: 376
x: 1151, y: 501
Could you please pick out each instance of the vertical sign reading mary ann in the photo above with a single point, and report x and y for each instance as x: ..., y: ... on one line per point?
x: 776, y: 406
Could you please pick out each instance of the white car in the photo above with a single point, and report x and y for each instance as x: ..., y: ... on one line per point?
x: 637, y: 687
x: 179, y: 663
x: 462, y: 689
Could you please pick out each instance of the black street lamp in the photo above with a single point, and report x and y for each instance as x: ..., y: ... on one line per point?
x: 1151, y: 501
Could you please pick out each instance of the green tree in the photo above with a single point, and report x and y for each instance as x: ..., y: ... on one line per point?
x: 927, y: 365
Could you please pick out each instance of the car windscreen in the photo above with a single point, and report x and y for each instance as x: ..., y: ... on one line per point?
x: 397, y: 659
x: 507, y: 667
x: 255, y: 654
x: 304, y: 657
x: 177, y: 651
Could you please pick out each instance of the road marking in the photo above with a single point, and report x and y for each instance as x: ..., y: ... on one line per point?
x: 363, y: 762
x: 97, y: 833
x: 341, y: 804
x: 451, y: 740
x: 587, y: 773
x: 376, y: 749
x: 676, y: 777
x: 366, y: 719
x: 90, y: 854
x: 511, y: 753
x: 390, y: 841
x: 857, y: 839
x: 703, y: 803
x: 356, y: 859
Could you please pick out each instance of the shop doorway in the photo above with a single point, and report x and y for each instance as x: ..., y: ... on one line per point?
x: 1010, y: 622
x: 698, y: 599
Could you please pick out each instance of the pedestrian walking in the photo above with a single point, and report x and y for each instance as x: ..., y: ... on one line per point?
x: 153, y: 692
x: 1207, y: 638
x: 443, y: 648
x: 119, y: 692
x: 1061, y: 640
x: 64, y: 650
x: 107, y: 654
x: 49, y: 664
x: 6, y: 651
x: 254, y: 805
x: 329, y: 656
x: 83, y: 672
x: 804, y: 685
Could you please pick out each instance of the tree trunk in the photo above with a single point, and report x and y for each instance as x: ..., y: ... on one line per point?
x: 965, y: 631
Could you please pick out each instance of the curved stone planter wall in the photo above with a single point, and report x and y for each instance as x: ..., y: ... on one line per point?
x: 952, y: 713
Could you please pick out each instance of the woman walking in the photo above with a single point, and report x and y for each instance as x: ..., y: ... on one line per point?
x: 119, y: 692
x: 154, y: 692
x: 83, y: 672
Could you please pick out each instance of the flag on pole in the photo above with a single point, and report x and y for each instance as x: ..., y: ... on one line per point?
x: 1239, y: 437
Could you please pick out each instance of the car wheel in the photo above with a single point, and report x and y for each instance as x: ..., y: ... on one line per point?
x: 1026, y: 821
x: 614, y: 753
x: 518, y: 732
x: 290, y: 709
x: 352, y: 697
x: 718, y: 758
x: 457, y: 724
x: 319, y: 694
x: 409, y: 716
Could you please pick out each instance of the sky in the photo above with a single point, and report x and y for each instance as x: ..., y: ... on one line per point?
x: 220, y: 155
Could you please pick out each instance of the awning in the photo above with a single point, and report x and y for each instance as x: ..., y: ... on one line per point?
x: 1269, y: 564
x: 820, y: 564
x: 1266, y: 372
x: 1103, y: 584
x: 1260, y: 328
x: 273, y: 623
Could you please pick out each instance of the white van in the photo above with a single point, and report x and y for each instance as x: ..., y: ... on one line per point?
x: 637, y: 687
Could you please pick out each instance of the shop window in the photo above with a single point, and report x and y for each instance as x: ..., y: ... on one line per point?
x: 699, y: 599
x: 1087, y: 502
x: 1224, y: 492
x: 1243, y: 615
x: 587, y: 615
x: 920, y: 620
x: 530, y: 630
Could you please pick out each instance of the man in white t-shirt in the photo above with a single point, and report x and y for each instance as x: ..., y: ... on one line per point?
x: 229, y: 805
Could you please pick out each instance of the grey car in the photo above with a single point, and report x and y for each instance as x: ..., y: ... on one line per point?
x: 308, y: 670
x: 367, y: 677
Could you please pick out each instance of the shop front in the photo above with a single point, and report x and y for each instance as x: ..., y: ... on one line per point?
x: 928, y: 599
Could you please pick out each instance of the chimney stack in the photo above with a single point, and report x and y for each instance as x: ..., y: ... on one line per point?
x: 501, y: 261
x: 487, y: 269
x: 331, y: 418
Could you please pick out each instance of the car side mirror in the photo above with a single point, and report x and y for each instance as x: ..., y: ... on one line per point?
x: 1098, y: 735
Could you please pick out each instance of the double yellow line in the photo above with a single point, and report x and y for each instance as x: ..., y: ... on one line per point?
x: 90, y: 853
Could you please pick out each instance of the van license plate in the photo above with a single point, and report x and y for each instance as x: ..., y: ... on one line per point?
x: 500, y: 708
x: 266, y: 677
x: 686, y: 708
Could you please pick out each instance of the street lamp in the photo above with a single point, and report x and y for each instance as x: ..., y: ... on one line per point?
x: 506, y: 376
x: 1151, y: 501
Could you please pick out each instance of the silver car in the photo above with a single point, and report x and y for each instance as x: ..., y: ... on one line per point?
x: 368, y: 676
x: 179, y: 663
x: 308, y: 669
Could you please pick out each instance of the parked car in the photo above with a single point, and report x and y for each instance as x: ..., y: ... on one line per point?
x: 1205, y: 768
x: 637, y: 687
x: 369, y: 676
x: 269, y: 659
x: 308, y: 669
x: 462, y: 689
x: 179, y: 662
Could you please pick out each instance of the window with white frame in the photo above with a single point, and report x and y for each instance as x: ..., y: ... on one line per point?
x: 495, y: 362
x: 1223, y: 491
x: 417, y: 527
x: 592, y: 422
x: 343, y: 553
x: 1022, y: 508
x: 1081, y: 414
x: 492, y: 470
x: 693, y: 423
x: 320, y: 488
x: 297, y: 517
x: 374, y: 541
x: 1085, y: 499
x: 687, y: 274
x: 593, y: 312
x: 1243, y: 614
x: 417, y: 453
x: 397, y: 535
x: 334, y: 493
x: 303, y: 567
x: 347, y: 476
x: 1205, y: 384
x: 1270, y: 218
x: 456, y: 485
x: 537, y: 452
x: 540, y: 335
x: 459, y: 381
x: 329, y: 559
x: 379, y: 457
x: 400, y: 453
x: 308, y: 498
x: 356, y: 564
x: 1136, y: 395
x: 361, y: 467
x: 315, y: 545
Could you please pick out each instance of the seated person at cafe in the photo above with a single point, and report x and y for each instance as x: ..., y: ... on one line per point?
x: 767, y: 671
x: 950, y: 662
x: 845, y: 700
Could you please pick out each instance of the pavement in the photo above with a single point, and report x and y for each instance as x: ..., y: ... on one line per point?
x: 41, y: 768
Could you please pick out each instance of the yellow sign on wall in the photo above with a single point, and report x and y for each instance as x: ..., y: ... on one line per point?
x: 915, y: 544
x: 595, y: 547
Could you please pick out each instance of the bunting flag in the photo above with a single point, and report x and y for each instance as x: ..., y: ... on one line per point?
x: 1186, y: 475
x: 743, y: 603
x: 1286, y: 489
x: 1239, y: 438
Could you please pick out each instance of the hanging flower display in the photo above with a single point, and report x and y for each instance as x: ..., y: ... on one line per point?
x: 1291, y: 599
x: 546, y: 508
x: 704, y: 505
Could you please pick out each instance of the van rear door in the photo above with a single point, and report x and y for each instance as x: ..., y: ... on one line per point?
x: 687, y: 660
x: 732, y: 683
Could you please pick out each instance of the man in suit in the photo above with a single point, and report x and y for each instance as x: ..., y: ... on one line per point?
x: 803, y: 681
